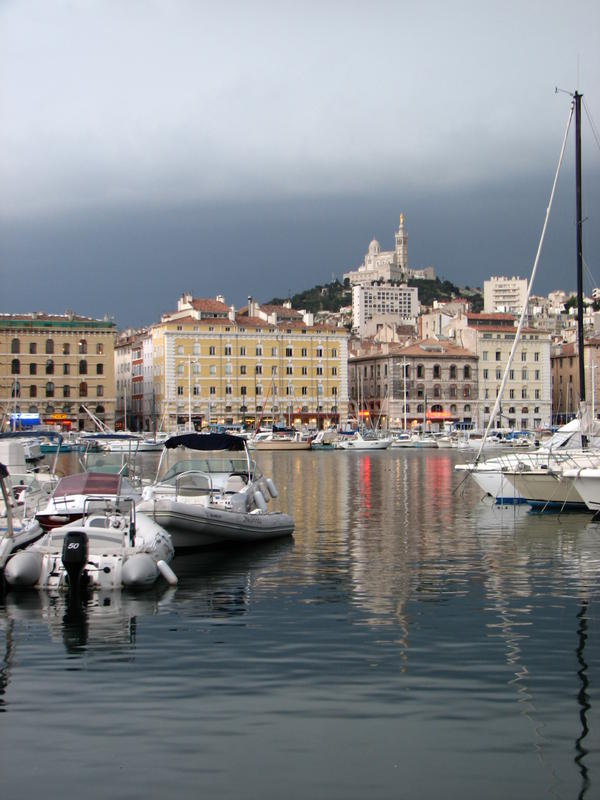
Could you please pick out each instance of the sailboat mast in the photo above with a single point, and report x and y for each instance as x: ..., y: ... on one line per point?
x: 580, y: 338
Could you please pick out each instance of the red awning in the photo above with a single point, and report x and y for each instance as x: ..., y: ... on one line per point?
x: 438, y: 415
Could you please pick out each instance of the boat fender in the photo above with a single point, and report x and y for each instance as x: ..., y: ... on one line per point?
x: 139, y: 570
x: 24, y: 568
x: 271, y: 487
x: 259, y: 500
x: 167, y: 573
x: 263, y: 488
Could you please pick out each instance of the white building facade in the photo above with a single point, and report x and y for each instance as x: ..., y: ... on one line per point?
x: 383, y: 303
x: 504, y: 295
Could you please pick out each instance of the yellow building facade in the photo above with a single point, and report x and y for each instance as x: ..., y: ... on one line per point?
x: 54, y: 367
x: 213, y: 366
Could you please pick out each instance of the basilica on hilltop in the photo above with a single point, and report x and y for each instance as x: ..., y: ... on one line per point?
x: 387, y: 265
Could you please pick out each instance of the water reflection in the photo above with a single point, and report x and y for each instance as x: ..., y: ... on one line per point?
x: 409, y: 639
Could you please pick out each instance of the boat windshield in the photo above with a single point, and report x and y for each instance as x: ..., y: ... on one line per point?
x: 177, y: 462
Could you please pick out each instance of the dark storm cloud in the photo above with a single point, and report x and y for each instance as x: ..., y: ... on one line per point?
x: 157, y: 146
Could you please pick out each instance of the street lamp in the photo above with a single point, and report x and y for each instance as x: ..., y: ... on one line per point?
x: 191, y: 360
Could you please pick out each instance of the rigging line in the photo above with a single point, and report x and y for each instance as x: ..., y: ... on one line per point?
x: 595, y: 134
x: 529, y: 288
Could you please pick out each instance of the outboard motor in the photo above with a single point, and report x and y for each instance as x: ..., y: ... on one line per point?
x: 74, y: 558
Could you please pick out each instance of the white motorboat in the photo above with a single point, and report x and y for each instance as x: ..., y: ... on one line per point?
x: 207, y: 491
x: 491, y: 475
x: 279, y: 440
x: 68, y: 501
x: 548, y: 487
x: 114, y: 549
x: 404, y: 439
x: 365, y: 441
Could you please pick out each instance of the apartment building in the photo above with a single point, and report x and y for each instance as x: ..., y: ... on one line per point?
x: 56, y: 368
x: 212, y: 364
x: 427, y: 383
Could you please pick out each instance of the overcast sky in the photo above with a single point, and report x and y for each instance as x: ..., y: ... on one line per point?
x: 151, y: 147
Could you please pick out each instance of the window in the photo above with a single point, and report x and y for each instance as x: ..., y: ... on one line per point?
x: 242, y: 390
x: 66, y: 369
x: 212, y: 390
x: 66, y: 349
x: 273, y: 370
x: 289, y: 370
x: 498, y: 355
x: 305, y: 390
x: 180, y: 390
x: 49, y: 389
x: 437, y: 392
x: 303, y: 352
x: 228, y: 390
x: 485, y: 374
x: 453, y: 391
x: 537, y: 374
x: 33, y: 369
x: 467, y: 391
x: 15, y: 346
x: 227, y: 349
x: 180, y: 350
x: 49, y: 367
x: 453, y: 372
x: 49, y: 346
x: 334, y: 390
x: 274, y: 352
x: 196, y: 390
x: 258, y: 369
x: 32, y: 348
x: 334, y: 353
x: 211, y: 350
x: 523, y: 356
x: 100, y: 349
x: 524, y: 374
x: 420, y: 371
x: 258, y: 389
x: 99, y: 369
x: 511, y: 374
x: 66, y: 391
x: 212, y: 370
x: 82, y: 346
x: 467, y: 372
x: 511, y: 394
x: 288, y: 352
x: 334, y: 370
x: 83, y: 367
x: 83, y: 389
x: 319, y: 352
x: 537, y: 394
x: 196, y: 349
x: 259, y: 350
x: 16, y: 389
x: 33, y: 391
x: 242, y: 351
x: 228, y: 369
x: 536, y: 356
x: 319, y: 370
x: 524, y: 393
x: 484, y: 355
x: 180, y: 369
x: 15, y: 366
x: 498, y: 374
x: 436, y: 372
x: 243, y: 369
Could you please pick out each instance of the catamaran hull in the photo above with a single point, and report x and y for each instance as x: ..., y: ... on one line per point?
x: 192, y: 525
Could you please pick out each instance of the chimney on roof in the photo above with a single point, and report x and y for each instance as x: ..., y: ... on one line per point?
x: 232, y: 313
x: 220, y: 298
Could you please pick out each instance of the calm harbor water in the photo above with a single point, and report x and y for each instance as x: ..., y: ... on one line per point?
x: 410, y: 641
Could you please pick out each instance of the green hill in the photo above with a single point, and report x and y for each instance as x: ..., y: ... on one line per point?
x: 333, y: 296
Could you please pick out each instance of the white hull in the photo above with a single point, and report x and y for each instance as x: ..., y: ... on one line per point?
x: 547, y: 490
x: 587, y: 485
x: 278, y: 445
x: 194, y: 525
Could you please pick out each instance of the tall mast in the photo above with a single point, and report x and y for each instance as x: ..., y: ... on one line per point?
x: 580, y: 339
